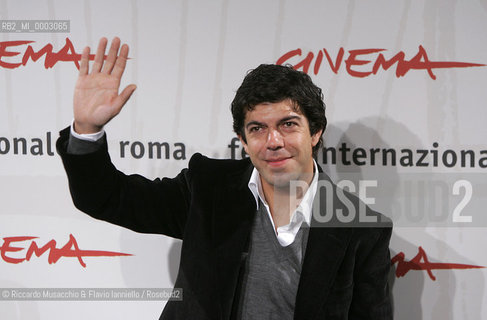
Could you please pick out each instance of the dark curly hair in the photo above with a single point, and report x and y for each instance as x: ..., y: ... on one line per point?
x: 275, y: 83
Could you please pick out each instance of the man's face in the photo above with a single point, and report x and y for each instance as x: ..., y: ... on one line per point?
x: 279, y: 143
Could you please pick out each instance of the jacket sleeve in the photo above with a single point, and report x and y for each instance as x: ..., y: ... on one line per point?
x: 132, y: 201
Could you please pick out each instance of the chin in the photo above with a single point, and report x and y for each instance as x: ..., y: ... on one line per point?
x: 282, y: 180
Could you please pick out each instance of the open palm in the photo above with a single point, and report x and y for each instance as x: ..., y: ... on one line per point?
x: 96, y: 95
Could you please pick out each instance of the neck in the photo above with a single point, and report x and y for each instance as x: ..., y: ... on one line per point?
x: 284, y: 200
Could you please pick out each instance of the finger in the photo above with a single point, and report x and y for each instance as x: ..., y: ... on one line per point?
x: 83, y: 69
x: 112, y: 55
x: 121, y: 61
x: 123, y: 97
x: 100, y: 54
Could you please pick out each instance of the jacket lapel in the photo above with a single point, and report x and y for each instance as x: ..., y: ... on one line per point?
x: 324, y: 253
x: 232, y: 222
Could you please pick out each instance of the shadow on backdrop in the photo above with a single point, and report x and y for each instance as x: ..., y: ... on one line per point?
x: 410, y: 292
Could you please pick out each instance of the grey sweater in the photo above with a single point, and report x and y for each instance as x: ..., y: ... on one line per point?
x: 271, y: 276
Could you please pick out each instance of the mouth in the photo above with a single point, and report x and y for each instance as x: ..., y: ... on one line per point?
x: 277, y: 162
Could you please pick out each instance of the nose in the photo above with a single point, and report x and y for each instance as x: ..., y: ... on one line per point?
x: 275, y: 140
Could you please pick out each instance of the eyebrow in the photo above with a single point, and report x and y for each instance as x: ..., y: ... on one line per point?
x: 257, y: 123
x: 290, y: 118
x: 254, y: 123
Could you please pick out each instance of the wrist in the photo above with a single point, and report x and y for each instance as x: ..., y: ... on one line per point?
x: 82, y: 128
x: 86, y: 136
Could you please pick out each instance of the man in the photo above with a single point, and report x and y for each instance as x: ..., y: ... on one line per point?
x: 254, y: 245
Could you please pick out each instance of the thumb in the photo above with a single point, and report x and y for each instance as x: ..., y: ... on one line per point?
x: 124, y: 96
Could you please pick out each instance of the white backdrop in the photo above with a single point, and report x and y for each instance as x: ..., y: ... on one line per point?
x: 188, y: 58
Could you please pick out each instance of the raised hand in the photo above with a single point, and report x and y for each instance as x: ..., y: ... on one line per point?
x: 96, y: 98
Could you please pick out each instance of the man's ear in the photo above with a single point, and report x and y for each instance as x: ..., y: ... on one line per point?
x: 244, y: 144
x: 316, y: 137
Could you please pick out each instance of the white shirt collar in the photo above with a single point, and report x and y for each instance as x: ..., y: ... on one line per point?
x: 287, y: 233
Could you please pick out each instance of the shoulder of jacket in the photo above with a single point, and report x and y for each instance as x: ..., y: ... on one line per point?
x: 205, y: 165
x: 364, y: 223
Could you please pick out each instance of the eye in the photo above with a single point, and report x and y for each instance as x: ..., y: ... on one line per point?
x: 289, y: 124
x: 255, y: 129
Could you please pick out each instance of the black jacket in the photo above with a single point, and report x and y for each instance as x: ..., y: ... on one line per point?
x: 210, y: 207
